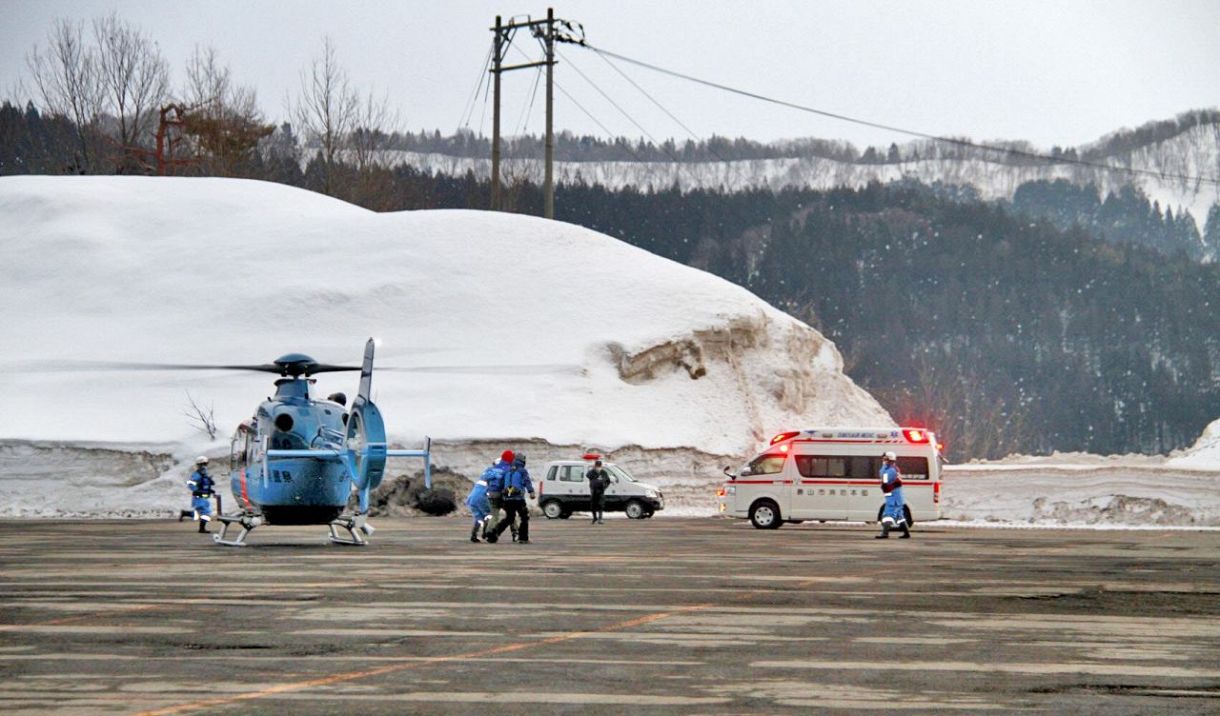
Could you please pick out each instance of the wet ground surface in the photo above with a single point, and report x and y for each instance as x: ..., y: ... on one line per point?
x: 656, y: 616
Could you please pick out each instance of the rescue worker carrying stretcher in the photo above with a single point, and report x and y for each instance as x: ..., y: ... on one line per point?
x: 893, y: 516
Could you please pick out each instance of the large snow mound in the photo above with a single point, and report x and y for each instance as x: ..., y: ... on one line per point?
x: 1204, y: 454
x: 634, y: 349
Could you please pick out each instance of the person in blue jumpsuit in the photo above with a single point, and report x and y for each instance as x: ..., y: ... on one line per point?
x: 480, y: 508
x: 516, y: 485
x: 202, y: 488
x: 893, y: 516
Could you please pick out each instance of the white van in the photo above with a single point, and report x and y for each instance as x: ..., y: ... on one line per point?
x: 834, y: 474
x: 564, y: 490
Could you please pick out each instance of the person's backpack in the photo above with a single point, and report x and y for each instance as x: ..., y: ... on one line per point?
x: 512, y: 485
x: 494, y: 477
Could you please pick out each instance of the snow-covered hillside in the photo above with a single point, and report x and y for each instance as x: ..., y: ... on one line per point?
x: 1194, y: 152
x: 557, y: 334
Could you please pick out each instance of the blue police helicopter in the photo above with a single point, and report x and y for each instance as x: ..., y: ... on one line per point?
x: 298, y: 459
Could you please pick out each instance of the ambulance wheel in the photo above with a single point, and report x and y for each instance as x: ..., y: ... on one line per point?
x: 635, y: 510
x: 764, y: 515
x: 553, y: 510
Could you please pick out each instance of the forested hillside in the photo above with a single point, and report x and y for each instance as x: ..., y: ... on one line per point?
x: 1008, y: 334
x: 1063, y: 319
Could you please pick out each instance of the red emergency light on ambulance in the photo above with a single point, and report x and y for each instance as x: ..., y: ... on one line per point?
x: 834, y: 474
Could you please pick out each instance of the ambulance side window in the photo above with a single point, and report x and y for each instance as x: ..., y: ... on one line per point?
x: 766, y: 465
x: 913, y: 468
x: 819, y: 466
x: 863, y: 468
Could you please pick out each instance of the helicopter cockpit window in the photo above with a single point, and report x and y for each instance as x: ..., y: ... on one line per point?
x: 239, y: 449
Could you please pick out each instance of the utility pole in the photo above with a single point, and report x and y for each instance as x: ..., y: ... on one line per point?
x: 547, y: 32
x: 548, y: 185
x: 498, y: 56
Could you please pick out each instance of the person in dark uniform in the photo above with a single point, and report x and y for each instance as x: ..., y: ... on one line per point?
x: 599, y: 480
x: 516, y: 485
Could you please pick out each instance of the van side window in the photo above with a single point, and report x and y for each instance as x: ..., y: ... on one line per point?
x: 572, y: 473
x: 913, y: 468
x: 550, y: 474
x: 766, y: 465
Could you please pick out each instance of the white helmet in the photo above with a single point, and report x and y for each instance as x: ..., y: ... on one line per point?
x: 201, y: 460
x: 889, y: 455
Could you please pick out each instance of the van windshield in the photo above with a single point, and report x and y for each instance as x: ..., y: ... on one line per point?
x: 620, y: 473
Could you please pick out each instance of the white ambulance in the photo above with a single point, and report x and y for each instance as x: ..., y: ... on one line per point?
x: 834, y: 474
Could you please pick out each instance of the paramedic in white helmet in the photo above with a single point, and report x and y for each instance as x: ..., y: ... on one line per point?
x: 893, y: 516
x: 202, y: 488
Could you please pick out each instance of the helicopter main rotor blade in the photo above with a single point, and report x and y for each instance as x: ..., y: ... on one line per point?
x: 327, y: 368
x: 65, y: 366
x: 74, y: 366
x: 534, y: 369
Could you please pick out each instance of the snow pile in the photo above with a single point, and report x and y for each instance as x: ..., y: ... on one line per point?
x: 1112, y: 494
x: 1204, y: 454
x: 558, y: 334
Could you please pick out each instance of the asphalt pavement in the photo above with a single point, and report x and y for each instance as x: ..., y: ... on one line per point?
x: 685, y: 616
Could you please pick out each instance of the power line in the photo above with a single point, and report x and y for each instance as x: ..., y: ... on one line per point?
x: 588, y: 114
x: 620, y: 109
x: 689, y: 131
x: 909, y: 132
x: 469, y: 113
x: 526, y: 112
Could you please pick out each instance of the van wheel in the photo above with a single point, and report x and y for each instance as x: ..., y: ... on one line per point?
x: 552, y: 509
x: 764, y: 515
x: 635, y: 510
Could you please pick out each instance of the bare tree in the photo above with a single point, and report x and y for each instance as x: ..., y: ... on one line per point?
x: 133, y: 75
x: 67, y: 79
x: 203, y: 419
x: 327, y: 108
x: 223, y: 117
x: 373, y: 124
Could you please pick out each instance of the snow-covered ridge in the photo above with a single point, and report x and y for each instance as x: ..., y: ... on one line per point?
x: 1194, y: 152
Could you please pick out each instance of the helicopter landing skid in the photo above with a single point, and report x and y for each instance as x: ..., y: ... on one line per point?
x: 247, y: 522
x: 355, y: 526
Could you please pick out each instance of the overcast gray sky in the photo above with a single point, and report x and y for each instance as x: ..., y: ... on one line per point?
x: 1051, y: 71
